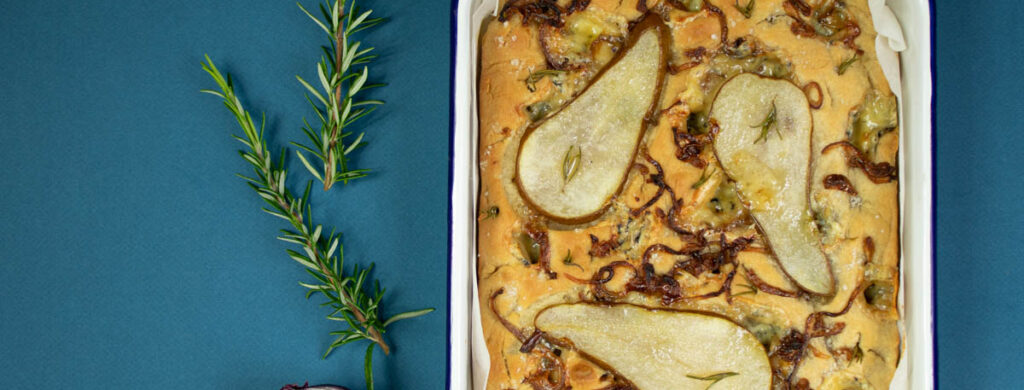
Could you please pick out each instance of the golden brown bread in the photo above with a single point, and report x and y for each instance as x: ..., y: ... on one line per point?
x: 854, y: 195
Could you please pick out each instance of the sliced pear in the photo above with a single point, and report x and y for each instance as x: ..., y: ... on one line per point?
x: 764, y: 145
x: 571, y: 164
x: 662, y: 349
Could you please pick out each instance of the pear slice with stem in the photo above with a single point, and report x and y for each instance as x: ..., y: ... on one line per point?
x: 662, y: 349
x: 571, y: 165
x: 763, y: 143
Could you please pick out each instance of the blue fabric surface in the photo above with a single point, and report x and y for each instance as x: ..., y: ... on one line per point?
x: 978, y: 191
x: 130, y: 254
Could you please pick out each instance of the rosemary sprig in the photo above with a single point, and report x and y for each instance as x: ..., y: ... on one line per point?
x: 321, y: 255
x: 340, y: 81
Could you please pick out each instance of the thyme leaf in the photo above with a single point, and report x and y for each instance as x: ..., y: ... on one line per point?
x: 751, y: 290
x: 704, y: 176
x: 745, y: 10
x: 713, y: 378
x: 767, y: 124
x: 858, y: 353
x: 568, y: 260
x: 843, y: 67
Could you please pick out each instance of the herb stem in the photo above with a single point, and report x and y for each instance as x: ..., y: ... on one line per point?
x: 322, y: 255
x: 341, y: 80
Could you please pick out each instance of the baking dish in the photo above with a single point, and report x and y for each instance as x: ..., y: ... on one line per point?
x: 467, y: 354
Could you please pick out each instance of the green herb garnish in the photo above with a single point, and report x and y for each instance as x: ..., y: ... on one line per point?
x: 340, y: 80
x: 858, y: 353
x: 704, y: 176
x: 571, y: 163
x: 843, y: 67
x: 751, y: 290
x: 322, y: 254
x: 713, y: 378
x: 745, y: 10
x: 491, y: 212
x: 567, y: 260
x: 555, y: 76
x: 767, y: 124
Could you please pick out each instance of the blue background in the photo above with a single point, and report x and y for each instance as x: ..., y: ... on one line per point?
x: 131, y: 256
x: 979, y: 230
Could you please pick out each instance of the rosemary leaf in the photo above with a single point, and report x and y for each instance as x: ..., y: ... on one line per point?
x: 713, y: 378
x: 704, y: 176
x: 843, y: 67
x: 571, y: 163
x: 368, y: 367
x: 751, y: 290
x: 745, y: 10
x: 767, y: 124
x: 568, y: 260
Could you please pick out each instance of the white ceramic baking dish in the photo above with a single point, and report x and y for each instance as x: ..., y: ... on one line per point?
x: 467, y: 356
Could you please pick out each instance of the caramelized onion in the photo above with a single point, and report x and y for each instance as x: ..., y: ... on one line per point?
x: 641, y: 5
x: 537, y: 11
x: 676, y: 68
x: 532, y: 341
x: 550, y: 375
x: 763, y: 286
x: 689, y: 147
x: 800, y: 6
x: 658, y: 179
x: 702, y: 261
x: 869, y: 249
x: 504, y: 322
x: 791, y: 347
x: 600, y: 248
x: 664, y: 286
x: 721, y: 20
x: 821, y: 21
x: 540, y: 236
x: 815, y: 325
x: 544, y: 12
x: 840, y: 183
x: 696, y: 56
x: 879, y: 173
x: 815, y: 89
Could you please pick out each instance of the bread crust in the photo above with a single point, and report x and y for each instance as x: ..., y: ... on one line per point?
x: 862, y: 238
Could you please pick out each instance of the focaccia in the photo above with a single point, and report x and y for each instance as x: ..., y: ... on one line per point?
x: 684, y: 194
